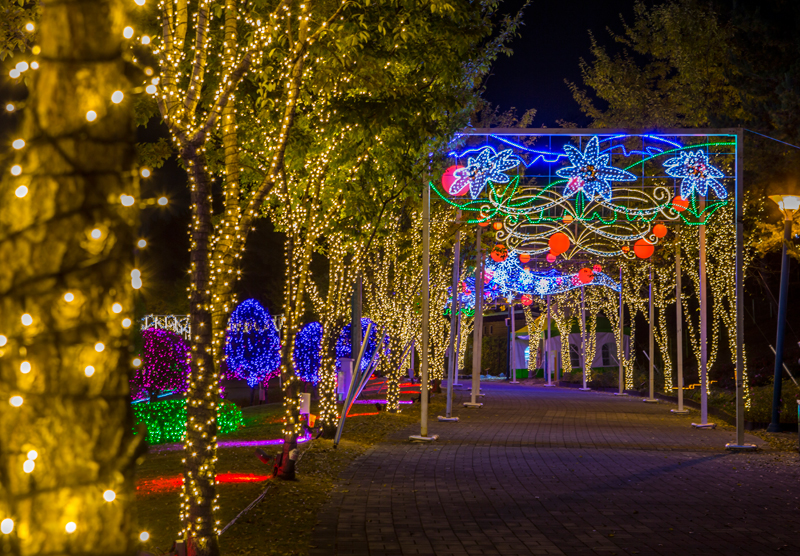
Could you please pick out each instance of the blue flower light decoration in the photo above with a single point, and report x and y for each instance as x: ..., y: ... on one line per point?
x: 697, y: 173
x: 590, y: 171
x: 252, y: 344
x: 488, y: 166
x: 306, y: 354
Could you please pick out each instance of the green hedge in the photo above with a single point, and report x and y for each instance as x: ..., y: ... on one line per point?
x: 166, y: 420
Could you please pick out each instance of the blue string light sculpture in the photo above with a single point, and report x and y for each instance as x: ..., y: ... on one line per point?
x: 344, y: 344
x: 252, y: 344
x: 488, y: 166
x: 590, y: 171
x: 306, y: 356
x: 697, y: 173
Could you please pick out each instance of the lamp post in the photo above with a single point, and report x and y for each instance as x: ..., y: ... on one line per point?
x: 788, y: 204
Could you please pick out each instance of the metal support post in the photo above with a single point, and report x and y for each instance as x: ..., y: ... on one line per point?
x: 451, y: 363
x: 703, y: 424
x: 426, y: 302
x: 583, y: 338
x: 547, y: 368
x: 513, y: 347
x: 739, y: 277
x: 651, y: 337
x: 679, y: 325
x: 477, y: 333
x: 621, y: 346
x: 783, y: 300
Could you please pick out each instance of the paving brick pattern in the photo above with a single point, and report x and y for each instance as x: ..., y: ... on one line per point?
x: 558, y: 471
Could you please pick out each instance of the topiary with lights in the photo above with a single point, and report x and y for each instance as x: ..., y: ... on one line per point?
x: 164, y: 364
x: 252, y: 344
x: 306, y: 354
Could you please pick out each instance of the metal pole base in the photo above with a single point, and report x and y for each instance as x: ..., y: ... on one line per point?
x: 679, y: 411
x: 585, y: 389
x: 458, y: 385
x: 514, y: 382
x: 549, y: 385
x: 448, y: 419
x: 706, y: 426
x: 418, y: 438
x: 740, y: 447
x: 650, y: 400
x: 620, y: 393
x: 473, y: 405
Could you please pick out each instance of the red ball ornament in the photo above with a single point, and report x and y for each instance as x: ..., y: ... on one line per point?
x: 524, y: 258
x: 625, y: 248
x: 551, y: 258
x: 499, y: 253
x: 680, y: 204
x: 484, y: 220
x: 559, y: 243
x: 597, y: 268
x: 643, y: 249
x: 447, y: 181
x: 659, y: 230
x: 497, y: 226
x: 526, y: 300
x: 585, y: 275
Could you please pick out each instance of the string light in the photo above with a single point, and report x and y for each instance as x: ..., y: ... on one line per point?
x: 91, y: 115
x: 70, y: 527
x: 109, y: 496
x: 166, y: 364
x: 252, y: 346
x: 117, y: 96
x: 89, y: 370
x: 306, y: 355
x: 18, y: 143
x: 16, y: 401
x: 26, y: 319
x: 6, y: 526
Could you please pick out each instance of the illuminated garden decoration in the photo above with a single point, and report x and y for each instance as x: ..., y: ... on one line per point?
x: 306, y: 356
x: 488, y: 167
x: 164, y: 364
x: 252, y: 344
x: 597, y: 198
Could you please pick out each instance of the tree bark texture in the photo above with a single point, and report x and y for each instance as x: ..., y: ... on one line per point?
x: 200, y: 449
x: 70, y: 234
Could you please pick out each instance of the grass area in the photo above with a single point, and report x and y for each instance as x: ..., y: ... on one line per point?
x: 282, y: 523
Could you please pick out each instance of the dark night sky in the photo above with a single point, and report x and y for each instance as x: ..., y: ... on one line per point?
x: 552, y: 41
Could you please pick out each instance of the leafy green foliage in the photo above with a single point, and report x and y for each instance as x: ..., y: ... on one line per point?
x: 14, y: 15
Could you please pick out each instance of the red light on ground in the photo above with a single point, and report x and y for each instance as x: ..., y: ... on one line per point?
x: 161, y: 485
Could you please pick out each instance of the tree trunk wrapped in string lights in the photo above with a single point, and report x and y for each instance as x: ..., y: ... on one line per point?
x: 67, y: 279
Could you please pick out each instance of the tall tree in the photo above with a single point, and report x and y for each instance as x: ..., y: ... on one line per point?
x: 67, y: 225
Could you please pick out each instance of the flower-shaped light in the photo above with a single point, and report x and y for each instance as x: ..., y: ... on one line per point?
x: 590, y: 171
x: 488, y: 166
x: 697, y: 173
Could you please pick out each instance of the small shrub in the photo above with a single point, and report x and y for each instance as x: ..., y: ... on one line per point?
x: 166, y: 420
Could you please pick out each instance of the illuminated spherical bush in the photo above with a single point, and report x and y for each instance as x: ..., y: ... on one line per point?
x: 165, y: 364
x: 165, y: 421
x: 344, y: 344
x: 252, y: 344
x: 306, y: 356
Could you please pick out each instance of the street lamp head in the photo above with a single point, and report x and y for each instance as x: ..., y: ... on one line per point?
x: 787, y: 203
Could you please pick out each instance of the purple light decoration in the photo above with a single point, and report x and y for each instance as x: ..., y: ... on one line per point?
x: 380, y: 401
x: 230, y: 444
x: 165, y: 364
x: 252, y: 344
x: 306, y: 355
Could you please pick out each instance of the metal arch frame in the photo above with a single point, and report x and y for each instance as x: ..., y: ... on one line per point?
x: 738, y: 134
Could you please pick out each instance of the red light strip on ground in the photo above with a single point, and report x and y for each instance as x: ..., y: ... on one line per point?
x: 169, y: 484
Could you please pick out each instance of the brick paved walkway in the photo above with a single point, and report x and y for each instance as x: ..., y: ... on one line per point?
x: 557, y: 471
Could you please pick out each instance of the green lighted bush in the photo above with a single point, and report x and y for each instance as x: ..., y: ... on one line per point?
x: 166, y: 420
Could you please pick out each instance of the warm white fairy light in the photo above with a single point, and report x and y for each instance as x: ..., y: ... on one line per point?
x: 109, y: 495
x: 21, y: 191
x: 6, y: 526
x: 117, y: 96
x: 18, y: 143
x: 16, y: 401
x: 16, y: 170
x: 28, y: 466
x: 99, y: 346
x: 141, y: 244
x: 126, y: 323
x: 89, y: 370
x: 126, y: 200
x: 25, y: 367
x: 70, y: 527
x: 91, y: 115
x: 162, y: 201
x: 127, y: 32
x: 26, y: 319
x: 69, y: 297
x: 116, y: 308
